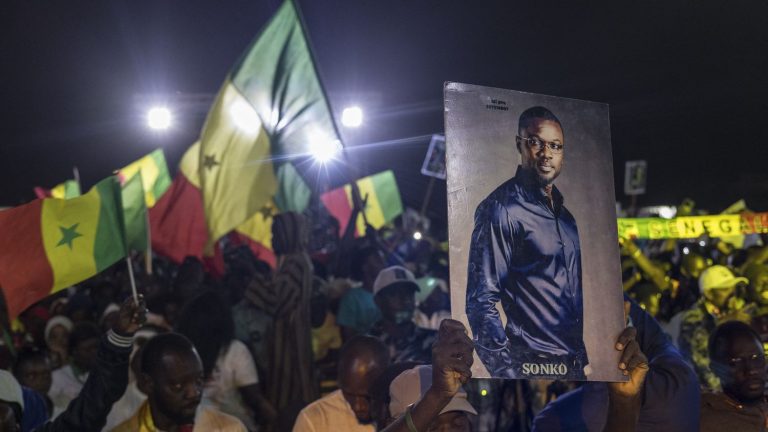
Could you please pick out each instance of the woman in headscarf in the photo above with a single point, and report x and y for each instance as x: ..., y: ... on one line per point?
x: 57, y: 332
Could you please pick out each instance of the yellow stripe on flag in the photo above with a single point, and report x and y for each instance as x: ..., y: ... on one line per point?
x: 149, y: 174
x: 69, y: 234
x: 259, y: 226
x: 190, y: 163
x: 59, y: 191
x: 373, y: 211
x: 236, y: 173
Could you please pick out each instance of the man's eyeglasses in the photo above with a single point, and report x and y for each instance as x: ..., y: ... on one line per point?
x: 537, y: 144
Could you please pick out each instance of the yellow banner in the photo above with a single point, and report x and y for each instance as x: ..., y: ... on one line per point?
x: 693, y: 226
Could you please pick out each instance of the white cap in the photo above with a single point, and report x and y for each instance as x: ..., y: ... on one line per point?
x: 394, y: 275
x: 409, y: 387
x: 10, y: 390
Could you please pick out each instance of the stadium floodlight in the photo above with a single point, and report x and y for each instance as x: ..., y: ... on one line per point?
x: 159, y: 118
x: 352, y: 117
x: 324, y: 150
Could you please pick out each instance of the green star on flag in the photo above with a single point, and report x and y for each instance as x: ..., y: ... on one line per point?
x: 68, y: 235
x: 209, y: 161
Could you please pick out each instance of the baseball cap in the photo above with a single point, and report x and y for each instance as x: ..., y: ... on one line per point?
x: 394, y: 275
x: 10, y: 390
x: 718, y: 276
x: 409, y: 387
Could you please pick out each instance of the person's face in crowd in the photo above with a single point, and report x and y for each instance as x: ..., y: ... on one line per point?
x: 36, y: 374
x: 176, y: 387
x: 84, y: 354
x: 760, y: 286
x: 355, y: 383
x: 542, y: 161
x: 397, y: 302
x: 58, y: 337
x: 740, y: 364
x: 452, y: 421
x: 693, y: 265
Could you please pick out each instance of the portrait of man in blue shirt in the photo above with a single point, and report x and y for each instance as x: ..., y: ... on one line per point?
x: 525, y: 255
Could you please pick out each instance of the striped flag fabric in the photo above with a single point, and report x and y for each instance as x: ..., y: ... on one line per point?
x: 155, y: 179
x: 382, y: 206
x: 66, y: 190
x: 270, y: 109
x: 50, y: 244
x: 271, y: 106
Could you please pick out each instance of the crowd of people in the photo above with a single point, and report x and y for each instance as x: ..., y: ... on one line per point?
x: 354, y: 334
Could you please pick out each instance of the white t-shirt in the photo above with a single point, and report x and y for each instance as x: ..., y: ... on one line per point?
x: 65, y: 386
x: 234, y: 368
x: 331, y: 413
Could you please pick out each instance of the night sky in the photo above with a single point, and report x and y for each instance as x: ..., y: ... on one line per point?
x: 687, y: 81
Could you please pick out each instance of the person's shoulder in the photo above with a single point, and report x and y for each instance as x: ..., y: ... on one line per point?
x: 211, y: 419
x: 330, y: 404
x: 130, y: 425
x: 503, y: 194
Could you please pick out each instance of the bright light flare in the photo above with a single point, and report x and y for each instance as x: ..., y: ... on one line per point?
x: 324, y: 150
x: 244, y: 116
x: 159, y: 118
x: 417, y: 235
x: 352, y: 117
x: 667, y: 212
x: 686, y: 251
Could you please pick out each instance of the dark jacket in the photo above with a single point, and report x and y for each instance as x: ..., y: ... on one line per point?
x: 670, y: 399
x: 526, y: 255
x: 106, y: 384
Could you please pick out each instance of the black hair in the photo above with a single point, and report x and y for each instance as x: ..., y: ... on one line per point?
x: 83, y: 331
x: 207, y: 321
x: 359, y: 259
x: 538, y: 112
x: 28, y: 355
x: 362, y: 344
x: 153, y: 351
x: 728, y: 331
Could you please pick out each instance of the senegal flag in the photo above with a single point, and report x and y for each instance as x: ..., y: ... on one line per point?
x: 155, y: 179
x: 51, y: 244
x: 66, y: 190
x: 382, y: 206
x: 270, y: 107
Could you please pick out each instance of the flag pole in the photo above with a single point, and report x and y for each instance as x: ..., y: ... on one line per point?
x: 76, y: 174
x: 148, y: 253
x: 133, y: 280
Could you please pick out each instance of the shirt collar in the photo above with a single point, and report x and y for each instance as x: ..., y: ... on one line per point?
x: 532, y: 190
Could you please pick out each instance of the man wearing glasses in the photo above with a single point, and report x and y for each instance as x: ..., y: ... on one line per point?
x: 525, y: 254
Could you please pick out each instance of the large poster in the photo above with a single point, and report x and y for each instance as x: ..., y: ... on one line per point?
x: 535, y: 271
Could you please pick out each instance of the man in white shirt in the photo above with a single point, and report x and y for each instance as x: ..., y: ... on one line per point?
x: 362, y: 360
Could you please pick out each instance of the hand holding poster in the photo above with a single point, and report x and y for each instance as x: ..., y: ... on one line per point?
x: 537, y: 280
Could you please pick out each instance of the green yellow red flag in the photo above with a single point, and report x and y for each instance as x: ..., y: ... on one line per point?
x: 382, y: 197
x: 272, y: 106
x: 51, y: 244
x: 66, y: 190
x: 155, y: 179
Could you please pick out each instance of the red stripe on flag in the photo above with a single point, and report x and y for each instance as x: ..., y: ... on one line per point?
x: 338, y: 206
x: 25, y: 273
x: 177, y: 222
x: 259, y: 250
x: 41, y: 192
